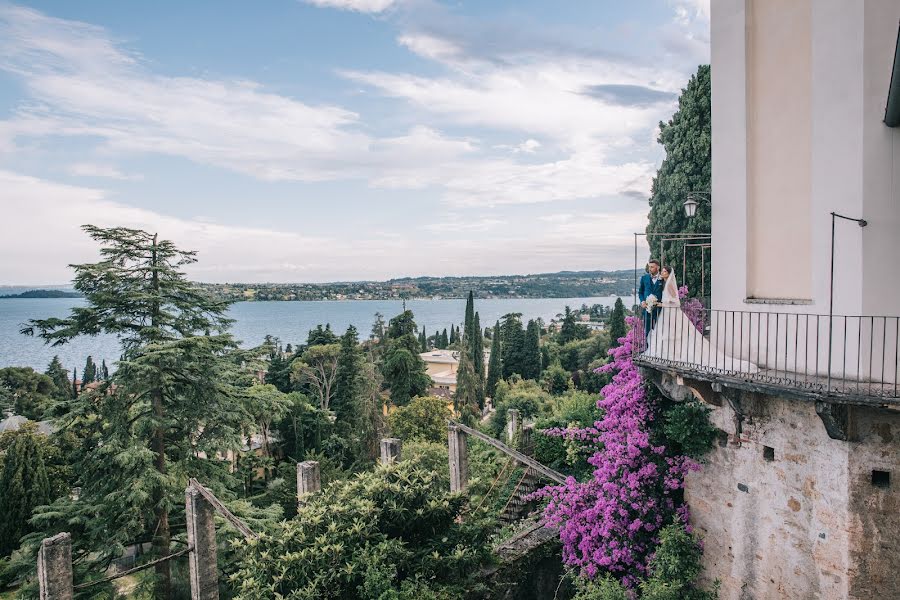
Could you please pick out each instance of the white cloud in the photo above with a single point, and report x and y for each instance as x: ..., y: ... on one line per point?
x: 363, y: 6
x: 100, y: 170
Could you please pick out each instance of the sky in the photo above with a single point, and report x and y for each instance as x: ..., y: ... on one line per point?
x: 334, y: 140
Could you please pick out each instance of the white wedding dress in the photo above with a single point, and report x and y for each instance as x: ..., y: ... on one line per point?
x: 675, y: 339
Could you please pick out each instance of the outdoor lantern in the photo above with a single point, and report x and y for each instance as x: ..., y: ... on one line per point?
x: 690, y: 207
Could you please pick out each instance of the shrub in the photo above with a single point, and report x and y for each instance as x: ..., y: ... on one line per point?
x: 390, y: 533
x: 687, y: 426
x: 424, y: 418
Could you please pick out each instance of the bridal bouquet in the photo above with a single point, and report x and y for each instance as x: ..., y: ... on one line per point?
x: 651, y: 301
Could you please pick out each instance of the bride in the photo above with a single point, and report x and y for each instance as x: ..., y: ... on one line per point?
x: 675, y: 338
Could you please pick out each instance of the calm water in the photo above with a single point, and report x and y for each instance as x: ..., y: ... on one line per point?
x: 289, y: 321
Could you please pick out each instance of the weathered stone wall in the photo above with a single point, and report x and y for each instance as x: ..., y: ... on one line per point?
x: 787, y: 512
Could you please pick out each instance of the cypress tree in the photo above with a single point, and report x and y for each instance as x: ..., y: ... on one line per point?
x: 467, y: 395
x: 452, y: 339
x: 617, y: 328
x: 423, y: 340
x: 60, y: 377
x: 477, y: 346
x: 469, y: 323
x: 349, y: 367
x: 531, y: 364
x: 445, y: 341
x: 23, y: 486
x: 74, y: 382
x: 104, y: 372
x: 89, y: 373
x: 512, y: 344
x: 495, y: 366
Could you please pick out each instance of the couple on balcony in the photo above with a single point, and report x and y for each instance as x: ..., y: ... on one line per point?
x: 668, y: 332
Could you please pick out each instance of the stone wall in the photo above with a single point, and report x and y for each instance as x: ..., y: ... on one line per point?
x: 785, y: 511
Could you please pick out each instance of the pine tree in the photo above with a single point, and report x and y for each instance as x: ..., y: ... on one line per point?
x: 288, y: 349
x: 531, y: 365
x: 347, y: 382
x: 23, y: 486
x: 378, y: 328
x: 570, y: 330
x: 495, y: 366
x: 617, y: 328
x: 89, y: 373
x: 60, y: 377
x: 172, y: 379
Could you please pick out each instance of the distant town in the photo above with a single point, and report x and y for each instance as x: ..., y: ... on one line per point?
x: 564, y: 284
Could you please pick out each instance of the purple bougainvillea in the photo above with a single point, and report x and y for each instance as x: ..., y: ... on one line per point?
x: 611, y: 522
x: 692, y: 308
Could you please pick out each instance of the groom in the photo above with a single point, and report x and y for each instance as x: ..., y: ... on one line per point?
x: 651, y: 283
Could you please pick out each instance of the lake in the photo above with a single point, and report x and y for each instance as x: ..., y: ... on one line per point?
x: 288, y: 321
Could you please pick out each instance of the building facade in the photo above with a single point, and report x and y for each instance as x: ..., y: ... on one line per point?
x: 801, y: 497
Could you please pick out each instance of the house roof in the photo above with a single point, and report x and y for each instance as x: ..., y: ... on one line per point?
x: 15, y: 422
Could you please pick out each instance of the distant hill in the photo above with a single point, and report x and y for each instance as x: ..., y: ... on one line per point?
x: 564, y: 284
x: 43, y: 294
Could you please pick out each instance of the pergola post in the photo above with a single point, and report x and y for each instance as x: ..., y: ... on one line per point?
x: 201, y: 536
x: 54, y: 568
x: 309, y: 480
x: 513, y: 425
x: 390, y: 450
x: 459, y: 458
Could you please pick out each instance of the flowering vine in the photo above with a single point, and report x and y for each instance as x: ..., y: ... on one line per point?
x: 610, y: 523
x: 692, y: 308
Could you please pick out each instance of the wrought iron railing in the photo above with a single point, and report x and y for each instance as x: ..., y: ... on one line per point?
x: 841, y: 356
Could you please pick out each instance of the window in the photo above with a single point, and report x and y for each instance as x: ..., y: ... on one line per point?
x: 881, y: 479
x: 768, y: 453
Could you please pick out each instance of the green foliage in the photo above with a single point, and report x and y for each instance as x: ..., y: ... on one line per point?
x: 531, y: 353
x: 687, y: 426
x: 557, y: 380
x: 469, y: 389
x: 424, y: 419
x: 89, y: 372
x: 404, y: 370
x: 571, y: 330
x: 687, y: 167
x: 512, y: 345
x: 525, y: 395
x: 576, y: 410
x: 347, y: 383
x: 30, y: 394
x: 320, y: 336
x: 675, y: 568
x: 317, y: 368
x: 60, y: 377
x: 24, y: 484
x: 389, y: 533
x: 495, y: 366
x: 617, y: 327
x: 605, y: 588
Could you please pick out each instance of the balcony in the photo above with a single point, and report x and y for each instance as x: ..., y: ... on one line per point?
x: 842, y: 360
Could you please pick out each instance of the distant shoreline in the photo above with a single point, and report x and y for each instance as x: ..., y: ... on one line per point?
x: 42, y: 294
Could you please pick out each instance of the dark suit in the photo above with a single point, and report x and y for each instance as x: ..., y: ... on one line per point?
x: 645, y: 289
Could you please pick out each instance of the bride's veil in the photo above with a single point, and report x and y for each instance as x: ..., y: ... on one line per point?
x: 670, y: 291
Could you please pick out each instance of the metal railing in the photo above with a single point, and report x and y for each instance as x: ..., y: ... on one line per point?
x: 849, y: 357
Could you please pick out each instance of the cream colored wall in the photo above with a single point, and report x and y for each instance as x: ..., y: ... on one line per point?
x: 779, y: 124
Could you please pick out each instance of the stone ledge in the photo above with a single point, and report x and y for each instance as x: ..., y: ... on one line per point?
x: 797, y: 301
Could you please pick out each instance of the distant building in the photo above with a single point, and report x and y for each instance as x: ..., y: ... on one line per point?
x: 442, y: 366
x: 15, y: 422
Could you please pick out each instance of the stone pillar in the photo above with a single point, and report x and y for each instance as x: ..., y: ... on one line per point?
x: 459, y: 458
x: 513, y: 425
x: 201, y: 535
x: 527, y: 433
x: 54, y: 568
x: 309, y: 480
x: 390, y: 450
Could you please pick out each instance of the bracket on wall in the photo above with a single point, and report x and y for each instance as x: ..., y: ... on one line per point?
x: 836, y: 419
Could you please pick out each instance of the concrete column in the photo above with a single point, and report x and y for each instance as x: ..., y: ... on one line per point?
x: 459, y: 459
x: 309, y: 480
x: 390, y: 450
x: 201, y: 535
x: 54, y: 568
x: 527, y: 433
x: 513, y: 425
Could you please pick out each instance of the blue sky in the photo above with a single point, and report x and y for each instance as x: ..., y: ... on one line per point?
x: 338, y: 139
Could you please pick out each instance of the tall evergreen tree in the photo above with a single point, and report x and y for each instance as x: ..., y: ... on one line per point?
x: 452, y: 339
x: 320, y: 336
x: 347, y: 383
x: 445, y: 341
x: 405, y: 373
x: 495, y: 366
x: 423, y: 340
x: 531, y: 355
x: 469, y: 321
x: 75, y: 387
x: 60, y: 377
x: 617, y: 328
x: 512, y: 344
x: 89, y: 373
x: 687, y: 167
x: 170, y: 386
x: 378, y: 327
x: 571, y: 330
x: 477, y: 346
x: 23, y: 486
x: 466, y: 399
x: 104, y: 371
